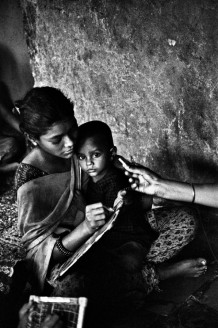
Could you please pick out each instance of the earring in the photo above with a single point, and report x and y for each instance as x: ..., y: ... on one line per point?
x: 31, y: 139
x: 33, y: 142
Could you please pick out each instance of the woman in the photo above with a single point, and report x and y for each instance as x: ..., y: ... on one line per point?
x: 49, y: 183
x: 54, y: 220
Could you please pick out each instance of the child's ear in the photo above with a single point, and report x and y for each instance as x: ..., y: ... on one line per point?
x: 113, y: 152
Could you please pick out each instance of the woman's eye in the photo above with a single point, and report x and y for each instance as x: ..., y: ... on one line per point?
x: 56, y: 141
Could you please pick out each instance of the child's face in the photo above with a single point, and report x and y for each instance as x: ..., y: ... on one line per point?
x: 94, y: 158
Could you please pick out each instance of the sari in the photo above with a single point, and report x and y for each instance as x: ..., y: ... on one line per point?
x: 44, y: 205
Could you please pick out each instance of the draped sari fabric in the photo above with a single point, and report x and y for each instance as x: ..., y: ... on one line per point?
x: 45, y: 204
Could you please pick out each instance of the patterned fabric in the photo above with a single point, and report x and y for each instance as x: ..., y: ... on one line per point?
x: 11, y: 249
x: 25, y: 173
x: 176, y: 227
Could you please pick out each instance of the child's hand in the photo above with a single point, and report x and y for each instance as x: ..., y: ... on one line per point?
x: 108, y: 211
x: 125, y: 195
x: 95, y: 216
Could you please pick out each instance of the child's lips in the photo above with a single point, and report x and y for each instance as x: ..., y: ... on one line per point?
x: 91, y: 171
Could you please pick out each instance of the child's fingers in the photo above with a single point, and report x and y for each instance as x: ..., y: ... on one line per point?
x: 95, y: 209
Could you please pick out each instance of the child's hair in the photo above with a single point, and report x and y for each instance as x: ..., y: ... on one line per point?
x: 92, y: 129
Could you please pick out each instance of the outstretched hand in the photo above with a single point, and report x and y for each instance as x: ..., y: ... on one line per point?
x: 141, y: 178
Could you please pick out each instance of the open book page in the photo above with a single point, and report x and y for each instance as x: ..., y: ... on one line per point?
x: 59, y: 270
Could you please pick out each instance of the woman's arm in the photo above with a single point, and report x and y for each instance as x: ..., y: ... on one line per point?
x: 94, y: 218
x: 146, y: 181
x: 203, y: 194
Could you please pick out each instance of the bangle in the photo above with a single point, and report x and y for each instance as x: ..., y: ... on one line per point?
x: 193, y: 188
x: 61, y: 247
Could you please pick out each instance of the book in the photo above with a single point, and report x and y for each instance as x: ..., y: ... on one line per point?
x: 60, y: 269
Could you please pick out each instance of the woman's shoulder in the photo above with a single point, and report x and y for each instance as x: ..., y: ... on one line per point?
x: 27, y: 172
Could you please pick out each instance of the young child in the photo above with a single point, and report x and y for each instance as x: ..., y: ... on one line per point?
x: 131, y: 233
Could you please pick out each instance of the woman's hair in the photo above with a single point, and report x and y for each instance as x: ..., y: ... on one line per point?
x: 92, y: 129
x: 41, y: 108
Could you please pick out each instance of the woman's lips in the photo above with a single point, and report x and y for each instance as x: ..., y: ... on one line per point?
x: 68, y: 152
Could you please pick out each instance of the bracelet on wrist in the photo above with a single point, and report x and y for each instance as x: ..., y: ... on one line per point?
x: 61, y: 247
x: 193, y: 189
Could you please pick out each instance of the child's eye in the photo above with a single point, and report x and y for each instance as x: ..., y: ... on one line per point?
x: 81, y: 157
x: 96, y: 155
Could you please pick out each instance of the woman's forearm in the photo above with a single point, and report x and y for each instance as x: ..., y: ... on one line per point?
x: 173, y: 190
x: 94, y: 218
x: 205, y: 194
x: 72, y: 241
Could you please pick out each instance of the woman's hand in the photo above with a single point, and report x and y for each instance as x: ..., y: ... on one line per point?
x: 95, y: 216
x: 141, y: 178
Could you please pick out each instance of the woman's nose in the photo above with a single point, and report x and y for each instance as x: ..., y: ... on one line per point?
x: 68, y: 142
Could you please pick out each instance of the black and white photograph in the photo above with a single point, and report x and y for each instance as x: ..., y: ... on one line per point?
x: 108, y: 130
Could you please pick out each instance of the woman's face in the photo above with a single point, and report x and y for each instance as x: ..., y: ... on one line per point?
x: 59, y: 139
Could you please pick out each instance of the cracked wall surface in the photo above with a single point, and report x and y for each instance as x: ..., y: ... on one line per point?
x: 15, y: 71
x: 146, y: 67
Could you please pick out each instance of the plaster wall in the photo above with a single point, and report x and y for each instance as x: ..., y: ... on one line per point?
x: 15, y: 71
x: 146, y: 67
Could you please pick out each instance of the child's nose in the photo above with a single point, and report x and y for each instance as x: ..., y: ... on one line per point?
x: 89, y: 161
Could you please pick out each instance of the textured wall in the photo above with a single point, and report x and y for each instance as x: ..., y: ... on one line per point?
x: 146, y: 67
x: 15, y: 71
